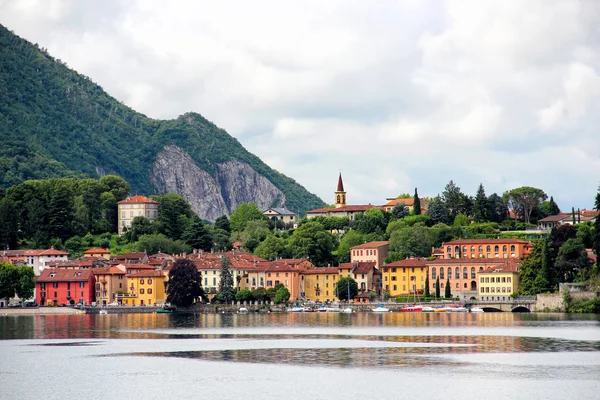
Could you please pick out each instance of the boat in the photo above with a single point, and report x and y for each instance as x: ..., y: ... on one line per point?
x: 296, y: 309
x: 333, y: 309
x: 457, y: 309
x: 163, y: 311
x: 412, y: 309
x: 380, y: 308
x: 428, y: 309
x: 322, y: 309
x: 476, y: 309
x: 243, y: 310
x: 103, y: 312
x: 440, y: 309
x: 347, y: 310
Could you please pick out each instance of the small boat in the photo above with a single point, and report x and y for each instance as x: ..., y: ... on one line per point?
x: 243, y: 310
x: 163, y: 311
x: 412, y: 309
x: 457, y: 309
x: 441, y: 309
x: 428, y: 309
x: 296, y: 309
x: 347, y: 310
x: 380, y: 308
x: 476, y: 309
x: 333, y: 309
x: 103, y: 312
x: 322, y: 309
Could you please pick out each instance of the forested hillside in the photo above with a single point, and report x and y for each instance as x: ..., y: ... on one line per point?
x: 55, y: 122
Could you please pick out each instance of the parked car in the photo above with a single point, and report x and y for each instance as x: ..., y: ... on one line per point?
x: 18, y: 304
x: 30, y: 303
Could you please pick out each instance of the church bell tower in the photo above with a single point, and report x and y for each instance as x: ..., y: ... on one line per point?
x: 340, y: 194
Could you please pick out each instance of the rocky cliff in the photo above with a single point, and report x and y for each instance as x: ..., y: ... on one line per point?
x: 210, y: 196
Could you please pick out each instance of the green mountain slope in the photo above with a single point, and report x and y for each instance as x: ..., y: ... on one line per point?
x: 55, y: 122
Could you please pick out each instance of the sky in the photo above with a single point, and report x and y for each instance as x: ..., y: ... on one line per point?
x: 394, y: 94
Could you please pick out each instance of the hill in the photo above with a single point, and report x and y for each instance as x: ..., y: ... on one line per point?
x: 55, y: 122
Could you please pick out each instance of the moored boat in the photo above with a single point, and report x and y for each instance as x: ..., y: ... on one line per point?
x: 476, y: 309
x: 381, y: 308
x: 412, y: 309
x: 428, y: 309
x: 457, y: 309
x: 347, y: 310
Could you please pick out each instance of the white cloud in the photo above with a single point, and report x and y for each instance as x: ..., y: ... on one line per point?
x: 396, y: 94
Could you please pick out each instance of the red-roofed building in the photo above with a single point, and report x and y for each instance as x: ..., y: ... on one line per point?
x: 144, y: 288
x: 97, y: 252
x: 499, y: 282
x: 109, y: 282
x: 567, y: 219
x: 136, y: 206
x: 372, y: 251
x: 131, y: 258
x: 365, y: 273
x: 319, y: 284
x: 405, y: 277
x: 41, y: 259
x: 486, y: 248
x: 407, y: 202
x: 55, y: 287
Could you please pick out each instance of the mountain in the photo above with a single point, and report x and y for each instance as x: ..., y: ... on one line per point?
x: 55, y: 122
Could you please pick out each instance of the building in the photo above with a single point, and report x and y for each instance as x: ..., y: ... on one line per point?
x: 408, y: 202
x: 567, y: 219
x: 97, y: 252
x: 499, y: 282
x: 130, y: 258
x: 366, y: 275
x: 145, y: 288
x: 41, y: 259
x: 319, y: 284
x: 372, y: 251
x: 282, y: 215
x: 57, y: 287
x: 485, y: 248
x: 405, y: 277
x: 340, y: 194
x: 109, y: 282
x: 135, y: 206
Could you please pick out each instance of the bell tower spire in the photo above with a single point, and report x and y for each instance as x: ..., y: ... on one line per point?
x: 340, y: 194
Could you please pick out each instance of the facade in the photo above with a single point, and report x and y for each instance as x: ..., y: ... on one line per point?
x: 370, y: 252
x: 405, y: 277
x: 109, y: 282
x: 319, y: 284
x: 136, y: 206
x: 57, y: 287
x: 287, y: 217
x: 41, y: 259
x: 97, y: 252
x: 367, y: 276
x: 486, y: 248
x: 145, y: 288
x: 408, y: 202
x: 580, y: 216
x: 499, y: 282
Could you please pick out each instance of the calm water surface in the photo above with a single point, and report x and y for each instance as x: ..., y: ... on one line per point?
x: 300, y: 356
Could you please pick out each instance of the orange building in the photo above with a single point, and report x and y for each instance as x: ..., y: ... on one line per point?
x: 485, y: 248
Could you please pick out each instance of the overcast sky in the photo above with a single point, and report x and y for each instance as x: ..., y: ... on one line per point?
x: 395, y: 94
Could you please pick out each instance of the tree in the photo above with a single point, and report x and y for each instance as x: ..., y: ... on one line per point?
x: 544, y: 280
x: 438, y: 212
x: 497, y: 209
x: 60, y: 211
x: 222, y: 222
x: 426, y: 292
x: 313, y: 241
x: 342, y: 286
x: 461, y: 220
x: 254, y: 233
x: 174, y: 214
x: 160, y: 243
x: 25, y: 285
x: 437, y: 287
x: 549, y: 208
x: 259, y: 294
x: 597, y: 229
x: 350, y: 239
x: 480, y: 206
x: 272, y: 248
x: 452, y: 198
x: 140, y: 226
x: 282, y: 295
x: 411, y: 241
x: 529, y: 271
x: 571, y: 261
x: 416, y: 203
x: 400, y: 211
x: 244, y: 213
x: 226, y: 288
x: 9, y: 224
x: 244, y: 295
x: 372, y: 221
x: 524, y: 200
x: 447, y: 289
x: 185, y: 284
x: 9, y: 278
x: 198, y: 235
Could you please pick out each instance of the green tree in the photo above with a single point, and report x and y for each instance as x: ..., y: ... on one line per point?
x: 447, y: 289
x: 344, y: 286
x: 198, y: 235
x: 140, y: 225
x: 9, y: 224
x: 524, y: 200
x: 497, y: 209
x: 244, y: 295
x: 452, y: 198
x: 426, y: 292
x: 174, y: 214
x: 371, y: 221
x: 411, y: 241
x: 350, y: 239
x: 254, y: 233
x: 597, y: 229
x: 461, y: 220
x: 313, y: 241
x: 259, y: 294
x: 160, y: 243
x: 25, y: 285
x: 220, y: 239
x: 480, y: 207
x: 549, y: 207
x: 437, y: 287
x: 544, y: 280
x: 60, y: 211
x: 438, y: 213
x: 116, y: 186
x: 222, y: 222
x: 400, y: 211
x: 243, y: 214
x: 73, y: 246
x: 282, y: 295
x: 9, y: 278
x: 185, y: 284
x: 530, y: 271
x: 416, y: 203
x: 572, y: 261
x: 272, y: 248
x: 226, y: 288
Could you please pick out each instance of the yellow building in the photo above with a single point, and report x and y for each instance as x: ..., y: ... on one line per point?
x: 109, y: 282
x: 497, y: 283
x: 319, y: 283
x: 144, y: 288
x: 405, y: 277
x: 97, y: 252
x: 135, y: 206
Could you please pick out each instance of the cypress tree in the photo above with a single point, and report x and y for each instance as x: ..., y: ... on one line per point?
x: 545, y: 273
x: 553, y: 208
x: 416, y: 204
x: 597, y: 229
x: 447, y: 290
x: 427, y: 293
x: 437, y: 287
x: 573, y: 215
x: 226, y: 289
x: 480, y: 208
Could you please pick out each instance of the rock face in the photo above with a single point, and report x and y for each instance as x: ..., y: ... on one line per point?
x: 210, y: 196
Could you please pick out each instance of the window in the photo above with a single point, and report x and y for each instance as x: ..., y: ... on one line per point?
x: 449, y: 272
x: 149, y: 281
x: 68, y: 295
x: 465, y: 285
x: 512, y: 248
x: 404, y: 278
x: 504, y: 248
x: 481, y: 280
x: 472, y: 272
x: 55, y: 295
x: 496, y: 248
x: 492, y: 289
x: 55, y: 285
x: 141, y: 281
x: 81, y: 284
x: 433, y: 273
x: 205, y: 281
x: 394, y: 278
x: 492, y: 279
x: 448, y: 249
x: 457, y: 273
x: 465, y: 274
x: 488, y: 249
x: 43, y: 286
x: 141, y: 291
x: 395, y: 287
x: 277, y: 274
x: 442, y: 273
x: 214, y: 281
x: 508, y: 279
x: 286, y: 274
x: 149, y: 291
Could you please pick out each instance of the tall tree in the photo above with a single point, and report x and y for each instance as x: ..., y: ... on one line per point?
x: 427, y: 292
x: 549, y: 207
x: 452, y: 198
x: 9, y: 279
x: 60, y: 211
x: 244, y: 213
x: 572, y: 261
x: 545, y: 279
x: 198, y: 235
x: 185, y: 284
x: 345, y: 287
x: 226, y: 286
x: 597, y: 229
x: 447, y: 289
x: 174, y: 214
x: 437, y: 287
x: 480, y: 206
x: 524, y: 200
x: 9, y: 224
x: 312, y: 240
x: 25, y: 286
x: 438, y: 212
x: 416, y: 203
x: 399, y: 211
x: 222, y: 222
x: 497, y: 209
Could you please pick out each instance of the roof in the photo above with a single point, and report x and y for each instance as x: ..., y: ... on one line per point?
x: 363, y: 267
x: 108, y: 271
x: 139, y: 266
x: 409, y: 262
x: 49, y: 252
x: 505, y: 268
x: 146, y: 274
x: 355, y: 208
x: 322, y: 270
x: 96, y: 250
x: 555, y: 218
x: 279, y: 210
x: 371, y: 245
x: 64, y: 275
x: 130, y: 256
x: 340, y: 185
x: 137, y: 199
x: 478, y: 261
x: 485, y: 241
x: 409, y: 201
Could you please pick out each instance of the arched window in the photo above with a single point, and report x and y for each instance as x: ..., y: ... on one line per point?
x: 442, y: 285
x: 512, y: 248
x: 465, y: 274
x: 480, y: 249
x: 472, y: 249
x: 449, y: 273
x: 457, y: 273
x: 481, y: 268
x: 338, y: 199
x: 504, y: 248
x: 488, y: 248
x: 448, y: 249
x: 496, y: 248
x: 433, y: 273
x: 472, y: 272
x: 465, y: 286
x: 464, y: 249
x: 442, y: 273
x: 457, y: 285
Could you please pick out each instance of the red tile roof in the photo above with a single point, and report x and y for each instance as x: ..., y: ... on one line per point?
x: 485, y: 241
x: 146, y: 274
x: 49, y: 252
x: 509, y: 267
x: 322, y: 270
x: 340, y: 186
x: 483, y: 261
x: 354, y: 208
x: 409, y: 262
x: 363, y: 267
x: 137, y: 199
x: 64, y: 275
x: 108, y: 271
x: 96, y: 250
x: 371, y: 245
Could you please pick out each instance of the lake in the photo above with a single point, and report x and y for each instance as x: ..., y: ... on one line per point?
x: 300, y: 356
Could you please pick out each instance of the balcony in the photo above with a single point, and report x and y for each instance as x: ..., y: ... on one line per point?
x: 120, y: 296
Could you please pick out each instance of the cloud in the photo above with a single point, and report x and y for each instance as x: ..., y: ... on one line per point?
x: 396, y: 94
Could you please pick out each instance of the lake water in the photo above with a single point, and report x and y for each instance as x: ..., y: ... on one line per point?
x: 300, y: 356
